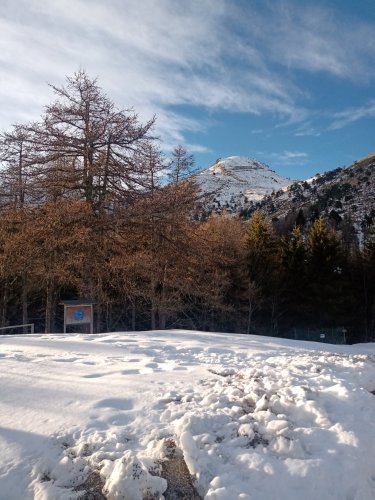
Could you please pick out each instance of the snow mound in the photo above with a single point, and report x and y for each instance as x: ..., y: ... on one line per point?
x: 130, y: 479
x: 286, y: 425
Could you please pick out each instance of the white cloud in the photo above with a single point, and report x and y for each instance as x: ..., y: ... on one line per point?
x: 285, y: 158
x: 301, y: 35
x: 150, y: 55
x: 292, y: 155
x: 160, y: 56
x: 351, y: 115
x: 307, y: 129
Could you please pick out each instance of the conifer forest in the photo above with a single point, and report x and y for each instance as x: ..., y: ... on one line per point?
x: 92, y: 208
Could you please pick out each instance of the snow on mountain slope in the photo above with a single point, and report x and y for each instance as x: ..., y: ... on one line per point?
x: 345, y: 197
x: 138, y: 415
x: 234, y: 181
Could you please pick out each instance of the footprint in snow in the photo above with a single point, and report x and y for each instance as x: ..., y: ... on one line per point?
x: 66, y: 360
x: 94, y: 375
x: 131, y: 371
x: 116, y: 403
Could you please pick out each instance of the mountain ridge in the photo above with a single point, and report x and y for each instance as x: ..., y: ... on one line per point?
x: 344, y: 196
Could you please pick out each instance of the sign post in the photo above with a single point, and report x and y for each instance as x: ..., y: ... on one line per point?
x: 78, y: 312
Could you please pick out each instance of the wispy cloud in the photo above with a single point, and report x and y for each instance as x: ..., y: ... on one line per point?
x: 293, y: 155
x: 150, y: 55
x: 317, y: 39
x: 351, y: 115
x: 307, y: 129
x: 284, y: 158
x: 163, y: 56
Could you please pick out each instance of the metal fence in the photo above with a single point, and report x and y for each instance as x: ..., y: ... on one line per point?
x: 13, y: 329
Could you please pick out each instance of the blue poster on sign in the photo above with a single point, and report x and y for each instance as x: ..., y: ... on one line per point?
x: 79, y: 315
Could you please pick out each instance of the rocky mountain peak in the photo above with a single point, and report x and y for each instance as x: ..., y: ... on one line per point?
x: 233, y: 182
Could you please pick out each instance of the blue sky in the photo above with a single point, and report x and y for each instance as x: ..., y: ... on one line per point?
x: 288, y: 82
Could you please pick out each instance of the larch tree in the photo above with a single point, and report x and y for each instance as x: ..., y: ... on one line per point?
x: 164, y: 228
x: 217, y: 273
x: 59, y: 237
x: 101, y: 142
x: 17, y: 160
x: 16, y: 256
x: 83, y: 150
x: 87, y: 149
x: 17, y: 190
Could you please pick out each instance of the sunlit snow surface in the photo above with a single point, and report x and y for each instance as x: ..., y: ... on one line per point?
x: 255, y: 417
x: 235, y: 179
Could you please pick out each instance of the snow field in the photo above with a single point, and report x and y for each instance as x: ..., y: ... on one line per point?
x: 251, y: 417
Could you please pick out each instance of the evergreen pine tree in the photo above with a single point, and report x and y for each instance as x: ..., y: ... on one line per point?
x: 293, y: 258
x: 262, y: 270
x: 368, y: 283
x: 326, y: 276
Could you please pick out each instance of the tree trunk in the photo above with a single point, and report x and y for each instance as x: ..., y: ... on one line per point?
x: 99, y: 314
x: 163, y: 300
x: 4, y: 303
x: 49, y: 308
x: 153, y: 316
x: 274, y: 317
x: 162, y: 321
x: 133, y: 317
x: 24, y: 300
x: 249, y: 316
x: 50, y: 311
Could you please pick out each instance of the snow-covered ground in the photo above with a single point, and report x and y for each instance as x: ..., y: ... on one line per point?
x: 220, y: 416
